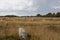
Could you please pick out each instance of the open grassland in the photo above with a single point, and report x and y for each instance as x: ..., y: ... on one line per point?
x: 39, y: 28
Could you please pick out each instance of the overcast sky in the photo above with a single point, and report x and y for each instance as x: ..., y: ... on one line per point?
x: 28, y: 7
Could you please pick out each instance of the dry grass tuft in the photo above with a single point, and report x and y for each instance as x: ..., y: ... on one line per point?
x: 38, y: 28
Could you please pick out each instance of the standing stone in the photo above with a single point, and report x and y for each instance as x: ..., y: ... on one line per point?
x: 22, y: 34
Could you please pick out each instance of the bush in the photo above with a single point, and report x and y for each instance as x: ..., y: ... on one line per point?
x: 11, y: 16
x: 52, y: 28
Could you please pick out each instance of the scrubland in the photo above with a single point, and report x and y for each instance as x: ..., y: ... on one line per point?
x: 40, y: 28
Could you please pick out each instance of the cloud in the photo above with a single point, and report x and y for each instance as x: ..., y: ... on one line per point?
x: 15, y: 4
x: 7, y: 13
x: 56, y: 7
x: 28, y: 7
x: 17, y: 12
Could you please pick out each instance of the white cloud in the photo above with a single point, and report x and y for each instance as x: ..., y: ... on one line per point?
x: 9, y: 7
x: 59, y: 1
x: 55, y: 4
x: 5, y: 13
x: 15, y: 4
x: 56, y: 7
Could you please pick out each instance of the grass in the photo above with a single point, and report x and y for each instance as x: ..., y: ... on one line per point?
x: 9, y: 38
x: 39, y: 28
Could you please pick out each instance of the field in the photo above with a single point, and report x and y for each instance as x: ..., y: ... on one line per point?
x: 38, y: 27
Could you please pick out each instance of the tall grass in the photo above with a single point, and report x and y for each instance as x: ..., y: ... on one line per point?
x: 38, y: 28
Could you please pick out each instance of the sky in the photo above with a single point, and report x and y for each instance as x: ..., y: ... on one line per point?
x: 28, y: 7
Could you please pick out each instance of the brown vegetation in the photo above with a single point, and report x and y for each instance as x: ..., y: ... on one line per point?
x: 39, y: 28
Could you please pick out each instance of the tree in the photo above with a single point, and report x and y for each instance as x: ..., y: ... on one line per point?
x: 58, y: 14
x: 11, y: 16
x: 54, y: 15
x: 49, y: 15
x: 38, y: 15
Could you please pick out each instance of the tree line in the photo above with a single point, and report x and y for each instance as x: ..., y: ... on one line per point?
x: 38, y: 15
x: 49, y: 15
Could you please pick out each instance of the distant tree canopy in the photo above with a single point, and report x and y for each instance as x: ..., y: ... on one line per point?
x: 11, y: 16
x: 39, y: 15
x: 49, y: 15
x: 58, y: 14
x: 54, y: 15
